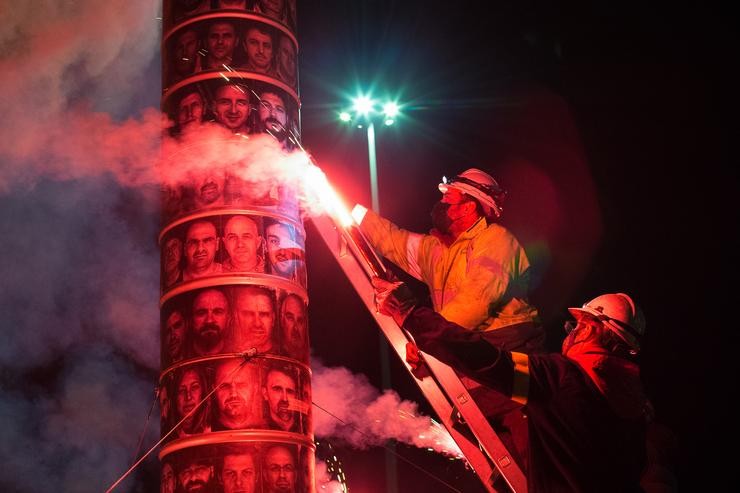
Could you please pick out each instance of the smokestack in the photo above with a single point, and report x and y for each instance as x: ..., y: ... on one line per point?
x: 235, y: 388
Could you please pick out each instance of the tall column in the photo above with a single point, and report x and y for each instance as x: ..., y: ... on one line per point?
x: 233, y: 302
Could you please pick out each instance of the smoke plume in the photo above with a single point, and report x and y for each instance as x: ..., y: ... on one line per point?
x: 79, y: 333
x: 347, y: 407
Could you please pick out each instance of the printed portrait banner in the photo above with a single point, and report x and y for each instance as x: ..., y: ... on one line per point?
x: 220, y: 245
x: 236, y: 43
x: 224, y: 319
x: 241, y: 105
x: 234, y: 393
x: 247, y: 466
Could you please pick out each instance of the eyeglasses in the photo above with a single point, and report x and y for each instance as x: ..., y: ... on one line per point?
x: 600, y: 321
x: 571, y: 325
x: 270, y: 107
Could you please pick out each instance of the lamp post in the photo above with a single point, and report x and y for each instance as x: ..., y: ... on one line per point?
x: 364, y: 113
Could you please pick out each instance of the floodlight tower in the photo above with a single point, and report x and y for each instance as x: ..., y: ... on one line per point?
x: 364, y: 113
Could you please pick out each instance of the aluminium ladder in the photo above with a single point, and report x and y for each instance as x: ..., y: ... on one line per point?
x: 444, y: 390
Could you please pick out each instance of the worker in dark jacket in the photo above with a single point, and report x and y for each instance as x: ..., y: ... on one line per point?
x: 586, y: 408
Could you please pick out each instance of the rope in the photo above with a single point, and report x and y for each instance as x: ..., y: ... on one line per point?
x: 146, y: 423
x: 246, y: 355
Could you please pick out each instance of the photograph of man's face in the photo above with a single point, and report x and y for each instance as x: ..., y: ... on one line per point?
x: 294, y: 326
x: 231, y: 107
x: 184, y: 53
x: 286, y: 61
x: 280, y: 393
x: 282, y: 250
x: 175, y: 336
x: 258, y: 46
x: 210, y: 322
x: 172, y: 258
x: 201, y: 243
x: 236, y: 386
x: 254, y: 318
x: 190, y: 391
x: 272, y: 116
x: 239, y: 472
x: 280, y: 470
x: 190, y: 111
x: 220, y: 43
x: 242, y: 242
x: 196, y: 477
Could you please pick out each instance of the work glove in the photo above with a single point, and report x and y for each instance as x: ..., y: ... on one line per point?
x: 416, y: 361
x: 394, y: 299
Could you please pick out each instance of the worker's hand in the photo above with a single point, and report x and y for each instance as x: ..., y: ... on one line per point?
x: 394, y: 299
x: 416, y: 361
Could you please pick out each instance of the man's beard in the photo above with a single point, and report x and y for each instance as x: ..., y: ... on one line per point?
x: 209, y: 336
x: 235, y: 408
x: 284, y: 267
x: 196, y: 486
x: 175, y: 348
x: 282, y: 485
x: 275, y: 128
x: 440, y: 219
x: 283, y: 412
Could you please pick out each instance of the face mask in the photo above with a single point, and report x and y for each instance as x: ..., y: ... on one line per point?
x: 440, y: 219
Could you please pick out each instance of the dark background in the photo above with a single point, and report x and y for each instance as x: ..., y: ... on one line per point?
x: 607, y: 123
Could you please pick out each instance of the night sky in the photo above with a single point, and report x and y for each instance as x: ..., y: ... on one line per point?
x: 607, y: 123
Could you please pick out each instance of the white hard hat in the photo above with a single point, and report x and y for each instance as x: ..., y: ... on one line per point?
x: 617, y: 312
x: 479, y: 185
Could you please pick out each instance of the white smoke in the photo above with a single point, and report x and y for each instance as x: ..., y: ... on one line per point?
x: 259, y: 159
x: 349, y: 408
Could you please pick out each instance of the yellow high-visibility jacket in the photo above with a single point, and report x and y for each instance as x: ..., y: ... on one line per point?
x: 479, y: 282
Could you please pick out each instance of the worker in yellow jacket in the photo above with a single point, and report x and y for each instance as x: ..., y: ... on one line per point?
x: 476, y: 270
x: 478, y: 278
